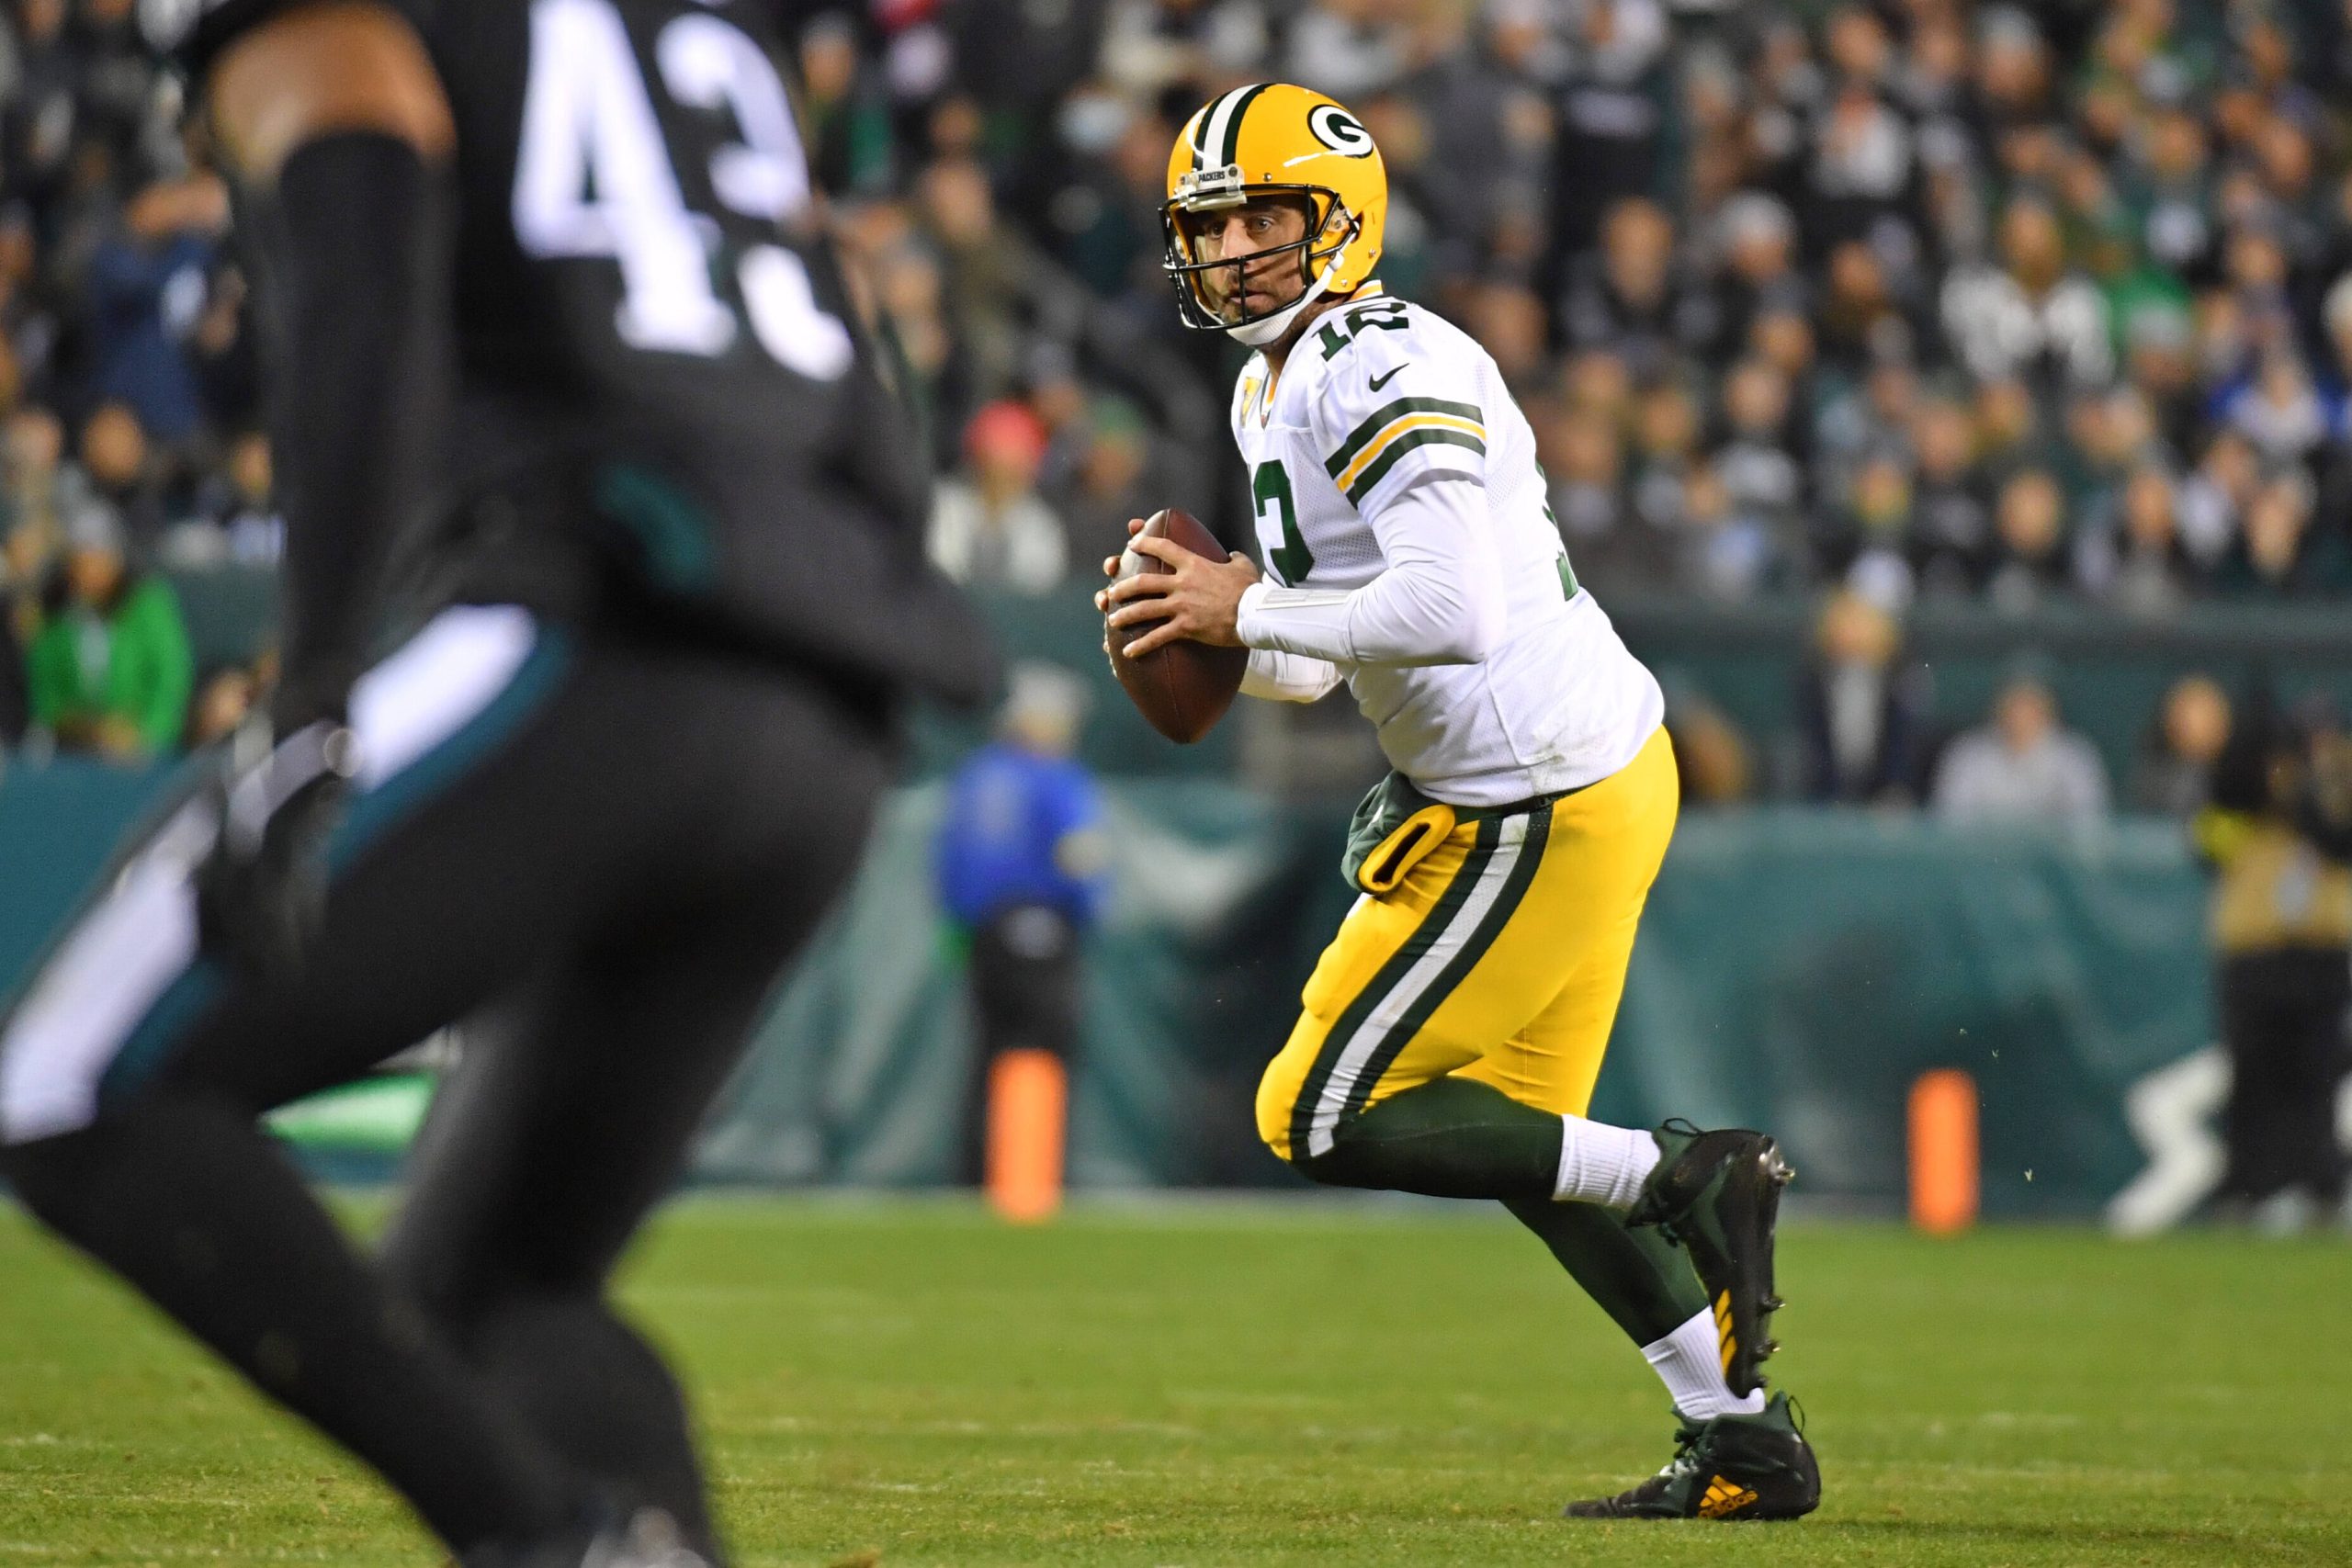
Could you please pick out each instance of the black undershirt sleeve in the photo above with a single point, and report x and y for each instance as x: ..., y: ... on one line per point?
x: 351, y: 254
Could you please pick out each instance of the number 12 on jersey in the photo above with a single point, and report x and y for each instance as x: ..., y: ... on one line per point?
x: 589, y: 124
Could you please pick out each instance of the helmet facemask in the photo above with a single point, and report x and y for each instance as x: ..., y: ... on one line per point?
x: 1209, y: 290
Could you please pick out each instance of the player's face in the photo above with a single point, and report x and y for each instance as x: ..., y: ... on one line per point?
x: 1265, y: 276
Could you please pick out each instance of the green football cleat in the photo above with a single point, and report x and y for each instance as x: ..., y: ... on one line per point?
x: 1718, y: 1194
x: 1734, y: 1467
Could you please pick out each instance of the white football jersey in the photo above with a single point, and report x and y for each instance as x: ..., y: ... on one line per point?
x: 1372, y: 394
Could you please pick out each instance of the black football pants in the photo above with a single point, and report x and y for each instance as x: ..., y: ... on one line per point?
x: 1024, y: 981
x: 608, y: 851
x: 2283, y: 1015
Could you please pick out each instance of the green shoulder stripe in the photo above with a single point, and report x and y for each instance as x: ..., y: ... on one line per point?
x: 1403, y: 444
x: 1387, y: 415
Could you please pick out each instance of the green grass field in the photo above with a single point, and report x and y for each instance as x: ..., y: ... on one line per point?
x: 910, y: 1384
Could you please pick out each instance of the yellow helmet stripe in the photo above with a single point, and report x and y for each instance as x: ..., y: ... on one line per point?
x: 1220, y: 135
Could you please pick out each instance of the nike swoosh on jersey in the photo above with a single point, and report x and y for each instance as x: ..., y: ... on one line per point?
x: 1379, y: 381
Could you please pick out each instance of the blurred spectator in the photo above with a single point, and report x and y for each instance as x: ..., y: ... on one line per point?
x: 1951, y: 519
x: 1626, y: 301
x: 41, y: 113
x: 2133, y: 558
x: 1105, y: 217
x: 223, y: 700
x: 2169, y: 190
x: 1757, y: 238
x: 2213, y: 499
x: 2029, y: 315
x: 1757, y: 457
x: 1203, y: 46
x: 246, y: 508
x: 985, y: 266
x: 30, y: 529
x: 1609, y: 91
x: 2156, y: 342
x: 224, y: 356
x: 237, y: 521
x: 2279, y: 555
x: 1588, y: 486
x: 845, y: 107
x: 1020, y: 860
x: 1350, y: 49
x: 1507, y: 321
x: 1863, y: 158
x: 989, y: 527
x: 1863, y: 719
x: 1784, y: 339
x: 117, y: 470
x: 1486, y: 134
x: 2280, y: 411
x: 1870, y: 523
x: 1665, y: 440
x: 2278, y: 833
x: 1870, y: 418
x: 110, y: 670
x: 1728, y: 550
x: 2029, y: 522
x: 2174, y: 775
x: 146, y: 287
x: 2009, y: 429
x: 1863, y: 323
x: 1109, y: 482
x: 2021, y: 767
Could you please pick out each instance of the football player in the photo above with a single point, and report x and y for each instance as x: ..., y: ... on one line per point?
x: 1452, y: 1032
x: 571, y: 415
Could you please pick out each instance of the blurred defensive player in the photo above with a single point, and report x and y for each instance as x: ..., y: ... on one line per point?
x: 572, y: 416
x: 1452, y: 1032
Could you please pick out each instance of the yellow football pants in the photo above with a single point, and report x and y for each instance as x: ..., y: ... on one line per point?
x: 1500, y: 956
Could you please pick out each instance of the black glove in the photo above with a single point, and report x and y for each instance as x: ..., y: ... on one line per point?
x: 261, y: 890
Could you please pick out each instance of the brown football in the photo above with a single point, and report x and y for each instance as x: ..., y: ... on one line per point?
x: 1185, y: 687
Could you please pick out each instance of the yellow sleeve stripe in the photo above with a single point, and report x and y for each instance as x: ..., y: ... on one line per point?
x: 1377, y: 457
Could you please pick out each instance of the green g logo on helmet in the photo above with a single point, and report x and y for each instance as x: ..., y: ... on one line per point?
x: 1339, y: 131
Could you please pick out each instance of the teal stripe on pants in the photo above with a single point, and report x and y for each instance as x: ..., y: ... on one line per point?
x: 191, y: 997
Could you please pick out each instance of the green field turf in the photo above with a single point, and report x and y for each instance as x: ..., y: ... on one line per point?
x: 903, y: 1384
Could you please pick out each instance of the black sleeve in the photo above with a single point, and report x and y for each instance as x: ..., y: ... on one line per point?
x: 350, y: 251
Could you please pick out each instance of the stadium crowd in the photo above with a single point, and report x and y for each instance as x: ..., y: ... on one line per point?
x: 2024, y: 305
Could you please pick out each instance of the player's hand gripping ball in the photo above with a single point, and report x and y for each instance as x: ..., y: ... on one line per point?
x: 1176, y: 597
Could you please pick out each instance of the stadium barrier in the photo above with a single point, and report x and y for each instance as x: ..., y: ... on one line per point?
x: 2108, y: 671
x: 1797, y: 970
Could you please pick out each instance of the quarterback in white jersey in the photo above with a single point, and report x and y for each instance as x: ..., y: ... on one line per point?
x: 1449, y: 1038
x: 1411, y: 552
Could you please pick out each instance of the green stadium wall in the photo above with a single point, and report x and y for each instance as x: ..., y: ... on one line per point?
x: 1797, y: 970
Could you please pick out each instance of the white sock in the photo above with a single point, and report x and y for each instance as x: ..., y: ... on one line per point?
x: 1600, y: 1163
x: 1690, y: 1362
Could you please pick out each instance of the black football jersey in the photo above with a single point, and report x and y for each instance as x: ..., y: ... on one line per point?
x: 660, y: 373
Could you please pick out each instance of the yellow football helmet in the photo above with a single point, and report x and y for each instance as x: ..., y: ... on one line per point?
x: 1272, y: 140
